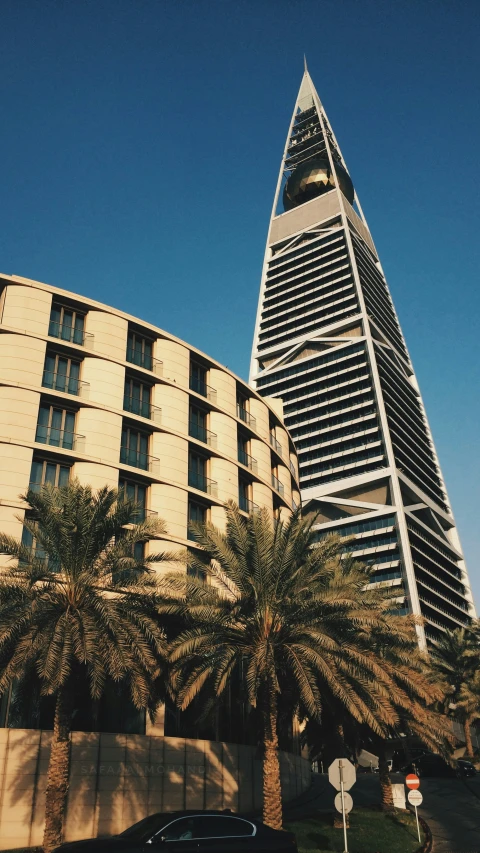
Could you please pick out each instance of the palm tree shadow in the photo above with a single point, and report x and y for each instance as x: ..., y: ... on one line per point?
x: 118, y: 779
x: 115, y: 780
x: 318, y: 841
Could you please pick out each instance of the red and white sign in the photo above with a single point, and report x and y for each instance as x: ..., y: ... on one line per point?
x: 412, y: 782
x: 415, y: 798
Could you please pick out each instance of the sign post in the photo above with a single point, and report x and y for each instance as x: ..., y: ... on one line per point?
x: 342, y: 775
x: 415, y: 799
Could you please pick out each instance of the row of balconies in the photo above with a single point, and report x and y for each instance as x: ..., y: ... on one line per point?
x: 315, y: 369
x: 138, y: 456
x: 62, y: 376
x: 450, y: 618
x: 68, y: 325
x: 284, y: 283
x: 62, y: 373
x: 315, y: 308
x: 349, y: 308
x: 297, y: 252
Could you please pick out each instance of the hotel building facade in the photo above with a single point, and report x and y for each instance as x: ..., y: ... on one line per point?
x: 329, y: 344
x: 89, y: 392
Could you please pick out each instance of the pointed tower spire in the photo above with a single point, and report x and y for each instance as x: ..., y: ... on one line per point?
x: 329, y: 344
x: 305, y: 64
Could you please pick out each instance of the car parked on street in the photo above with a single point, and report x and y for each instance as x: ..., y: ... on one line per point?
x: 191, y: 832
x: 430, y: 764
x: 466, y: 768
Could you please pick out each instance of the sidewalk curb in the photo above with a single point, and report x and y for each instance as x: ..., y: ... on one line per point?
x: 428, y: 843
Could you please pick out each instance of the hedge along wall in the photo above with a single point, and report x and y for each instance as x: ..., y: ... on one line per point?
x: 118, y: 779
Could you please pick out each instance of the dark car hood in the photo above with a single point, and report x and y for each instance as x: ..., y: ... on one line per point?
x: 92, y: 845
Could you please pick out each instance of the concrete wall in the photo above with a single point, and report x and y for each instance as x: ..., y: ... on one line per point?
x: 116, y: 780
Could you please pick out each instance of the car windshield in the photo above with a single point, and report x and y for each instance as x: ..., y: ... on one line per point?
x: 144, y: 828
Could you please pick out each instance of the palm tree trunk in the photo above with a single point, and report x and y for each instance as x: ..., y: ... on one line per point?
x: 468, y: 739
x: 272, y: 792
x: 385, y: 783
x: 58, y: 771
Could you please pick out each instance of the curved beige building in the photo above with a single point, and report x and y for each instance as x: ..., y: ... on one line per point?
x: 90, y: 392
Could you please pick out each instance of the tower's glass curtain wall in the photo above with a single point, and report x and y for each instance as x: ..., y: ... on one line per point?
x: 328, y: 342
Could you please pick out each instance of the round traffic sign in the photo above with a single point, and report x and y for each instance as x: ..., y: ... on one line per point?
x: 346, y: 799
x: 415, y: 798
x: 412, y: 781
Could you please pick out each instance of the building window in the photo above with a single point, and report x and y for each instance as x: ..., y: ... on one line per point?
x: 61, y: 373
x: 136, y: 397
x: 67, y: 324
x: 244, y: 495
x: 37, y: 552
x: 45, y: 471
x: 196, y: 514
x: 196, y: 571
x: 198, y: 379
x: 137, y: 552
x: 243, y: 452
x: 134, y: 449
x: 197, y: 469
x: 29, y: 541
x: 140, y: 350
x: 198, y: 423
x: 274, y: 442
x: 243, y: 411
x: 56, y: 426
x: 135, y: 492
x: 277, y: 485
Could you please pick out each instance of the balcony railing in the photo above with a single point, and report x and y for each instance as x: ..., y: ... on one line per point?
x: 69, y: 334
x: 247, y: 460
x: 143, y: 513
x: 246, y: 505
x: 246, y: 417
x: 145, y: 360
x: 201, y: 433
x: 202, y: 483
x: 64, y: 383
x: 294, y: 505
x: 35, y: 487
x: 275, y: 444
x: 277, y: 485
x: 292, y: 469
x: 142, y: 407
x: 201, y: 387
x: 59, y: 438
x: 138, y: 459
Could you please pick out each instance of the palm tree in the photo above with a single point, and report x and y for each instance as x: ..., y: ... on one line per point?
x: 286, y: 610
x: 467, y: 708
x: 456, y: 661
x: 81, y: 599
x: 398, y: 701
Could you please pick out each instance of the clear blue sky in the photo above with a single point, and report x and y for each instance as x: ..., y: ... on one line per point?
x: 139, y: 148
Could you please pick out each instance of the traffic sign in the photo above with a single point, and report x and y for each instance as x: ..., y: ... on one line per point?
x: 415, y: 798
x: 346, y: 799
x: 339, y: 768
x: 412, y: 782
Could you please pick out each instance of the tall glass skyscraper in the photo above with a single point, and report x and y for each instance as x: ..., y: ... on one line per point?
x: 328, y: 342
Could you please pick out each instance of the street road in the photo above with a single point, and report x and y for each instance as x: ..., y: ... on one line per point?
x: 451, y: 807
